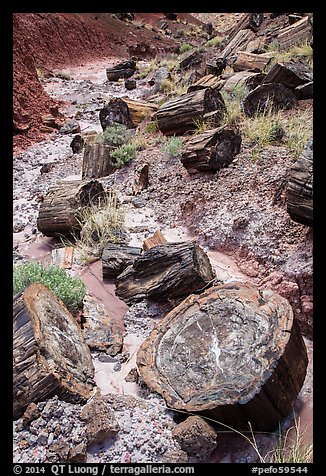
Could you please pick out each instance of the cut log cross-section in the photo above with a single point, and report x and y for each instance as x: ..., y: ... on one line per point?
x: 233, y: 353
x: 179, y: 115
x: 300, y: 188
x: 211, y: 150
x: 61, y: 207
x: 269, y: 96
x: 50, y: 356
x: 165, y: 272
x: 97, y: 161
x: 116, y: 111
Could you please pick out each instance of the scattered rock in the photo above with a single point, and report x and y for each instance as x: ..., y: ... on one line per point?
x: 196, y: 437
x: 130, y: 84
x: 132, y: 375
x: 174, y: 456
x: 70, y: 127
x: 78, y: 454
x: 31, y: 413
x: 77, y: 144
x: 100, y: 421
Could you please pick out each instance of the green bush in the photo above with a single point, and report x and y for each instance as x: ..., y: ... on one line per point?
x: 185, y: 47
x: 151, y: 127
x: 173, y: 146
x: 71, y: 290
x: 124, y: 154
x: 117, y: 134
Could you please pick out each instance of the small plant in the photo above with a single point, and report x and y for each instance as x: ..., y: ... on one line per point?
x: 184, y: 47
x: 297, y: 51
x: 117, y: 134
x: 201, y: 126
x: 216, y: 41
x: 173, y: 146
x: 262, y: 129
x: 70, y: 290
x: 292, y: 448
x: 124, y: 153
x: 101, y: 223
x: 151, y: 127
x: 298, y: 129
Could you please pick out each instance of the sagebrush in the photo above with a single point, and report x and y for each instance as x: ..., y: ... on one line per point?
x: 71, y: 290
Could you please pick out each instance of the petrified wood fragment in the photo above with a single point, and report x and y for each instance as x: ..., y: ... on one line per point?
x: 117, y: 257
x: 233, y: 353
x: 165, y: 272
x: 300, y: 188
x: 291, y: 74
x: 50, y: 356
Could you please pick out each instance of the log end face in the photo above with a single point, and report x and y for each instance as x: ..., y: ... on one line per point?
x: 217, y: 351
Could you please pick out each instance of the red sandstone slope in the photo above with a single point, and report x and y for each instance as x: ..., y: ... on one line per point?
x: 54, y: 40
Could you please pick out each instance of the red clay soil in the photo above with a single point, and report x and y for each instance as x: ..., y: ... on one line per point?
x: 54, y: 40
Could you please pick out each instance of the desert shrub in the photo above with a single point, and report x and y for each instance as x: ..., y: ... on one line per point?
x: 117, y: 134
x: 216, y: 41
x: 184, y: 47
x: 124, y: 153
x: 70, y: 290
x: 173, y: 146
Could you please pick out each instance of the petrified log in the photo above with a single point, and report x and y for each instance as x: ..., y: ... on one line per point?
x: 155, y: 240
x: 256, y: 46
x: 139, y: 110
x: 121, y: 70
x: 125, y: 16
x: 59, y: 213
x: 97, y: 161
x: 191, y: 59
x: 239, y: 42
x: 267, y: 96
x: 291, y: 74
x: 233, y: 353
x: 130, y: 84
x: 250, y: 61
x: 215, y: 67
x: 116, y: 111
x: 292, y: 34
x: 248, y: 20
x: 179, y: 115
x: 165, y: 272
x: 100, y: 330
x: 50, y: 356
x: 141, y: 180
x: 300, y: 187
x: 77, y: 144
x: 248, y: 79
x: 305, y: 91
x: 117, y: 257
x: 211, y: 150
x: 171, y: 16
x: 208, y: 81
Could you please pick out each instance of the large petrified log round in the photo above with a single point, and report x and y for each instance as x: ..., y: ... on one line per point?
x: 232, y: 353
x: 60, y: 210
x: 121, y: 70
x: 50, y: 356
x: 300, y: 188
x: 272, y: 96
x: 97, y: 161
x: 291, y: 74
